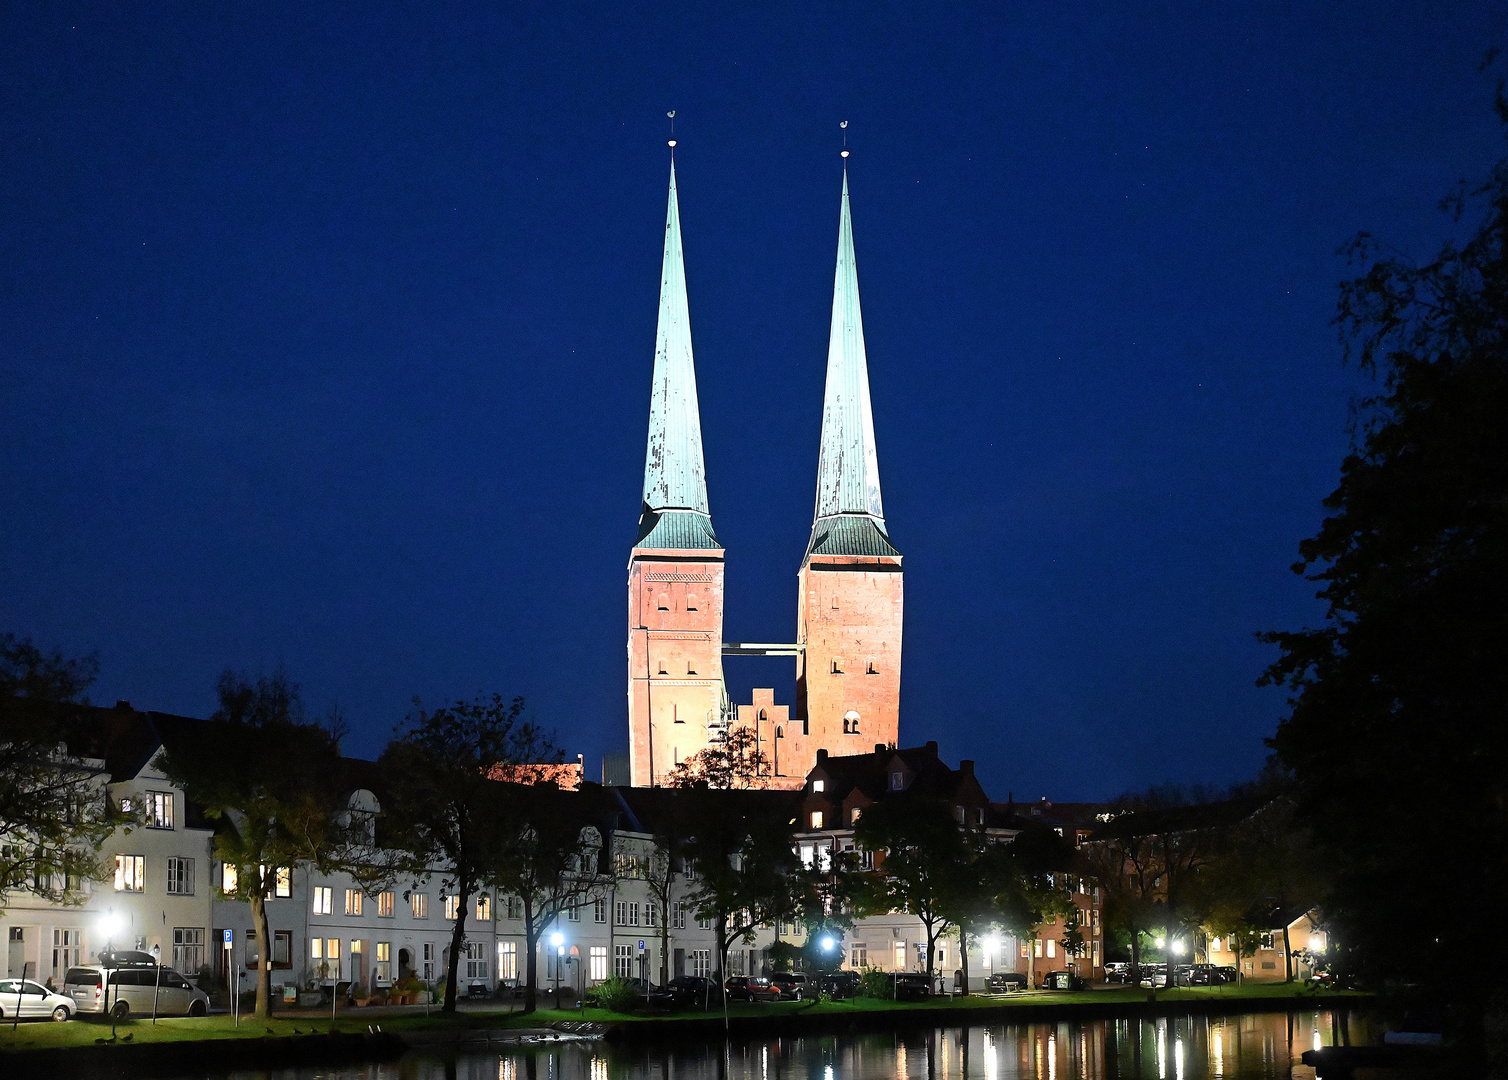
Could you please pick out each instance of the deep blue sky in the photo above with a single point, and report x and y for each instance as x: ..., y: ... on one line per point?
x: 326, y: 334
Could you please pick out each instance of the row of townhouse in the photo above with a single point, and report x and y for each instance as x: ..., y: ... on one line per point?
x: 837, y: 792
x: 167, y: 891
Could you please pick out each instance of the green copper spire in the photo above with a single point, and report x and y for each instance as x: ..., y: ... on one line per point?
x: 675, y: 481
x: 850, y: 517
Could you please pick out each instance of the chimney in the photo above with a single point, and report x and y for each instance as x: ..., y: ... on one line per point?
x: 966, y: 767
x: 123, y: 706
x: 879, y: 748
x: 932, y: 747
x: 821, y: 753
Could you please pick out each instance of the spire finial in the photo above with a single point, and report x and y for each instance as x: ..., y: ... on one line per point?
x: 844, y: 152
x: 671, y: 114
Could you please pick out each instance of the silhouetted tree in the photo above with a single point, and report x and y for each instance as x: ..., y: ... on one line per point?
x: 272, y: 780
x: 1399, y: 695
x: 53, y: 813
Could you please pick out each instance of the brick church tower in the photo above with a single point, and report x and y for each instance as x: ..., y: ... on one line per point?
x: 675, y: 571
x: 848, y: 670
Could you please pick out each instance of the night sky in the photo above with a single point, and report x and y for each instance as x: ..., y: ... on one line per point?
x: 326, y: 336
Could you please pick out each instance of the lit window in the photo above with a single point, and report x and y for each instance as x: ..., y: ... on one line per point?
x: 598, y: 970
x: 130, y: 873
x: 420, y: 903
x: 819, y: 785
x: 229, y: 877
x: 507, y: 960
x: 385, y: 905
x: 1052, y: 946
x: 353, y: 901
x: 816, y: 819
x: 159, y: 809
x: 324, y: 900
x: 383, y: 972
x: 853, y: 815
x: 282, y: 886
x: 484, y: 908
x: 452, y: 908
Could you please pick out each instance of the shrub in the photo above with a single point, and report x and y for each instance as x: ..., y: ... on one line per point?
x: 874, y: 983
x: 615, y: 995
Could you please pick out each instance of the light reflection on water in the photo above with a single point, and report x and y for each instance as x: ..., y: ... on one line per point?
x: 1251, y: 1047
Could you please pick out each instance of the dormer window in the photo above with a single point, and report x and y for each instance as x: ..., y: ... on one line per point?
x: 853, y: 815
x: 897, y: 781
x: 819, y: 785
x: 816, y: 819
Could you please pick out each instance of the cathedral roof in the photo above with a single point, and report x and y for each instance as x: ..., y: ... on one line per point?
x: 849, y: 518
x: 674, y: 474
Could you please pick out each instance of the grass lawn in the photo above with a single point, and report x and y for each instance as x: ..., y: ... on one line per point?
x: 36, y: 1035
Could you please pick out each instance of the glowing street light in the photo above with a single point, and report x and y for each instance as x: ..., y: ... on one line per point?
x: 827, y: 944
x: 558, y: 940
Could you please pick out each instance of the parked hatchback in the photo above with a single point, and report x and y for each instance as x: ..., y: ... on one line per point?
x: 121, y: 991
x: 751, y: 988
x: 27, y: 1000
x: 791, y: 984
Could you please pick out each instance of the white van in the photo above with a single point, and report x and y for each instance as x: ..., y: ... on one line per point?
x: 122, y: 991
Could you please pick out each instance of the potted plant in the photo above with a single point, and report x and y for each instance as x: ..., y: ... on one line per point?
x: 359, y: 993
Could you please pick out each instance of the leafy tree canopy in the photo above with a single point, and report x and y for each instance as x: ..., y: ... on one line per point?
x: 1399, y: 697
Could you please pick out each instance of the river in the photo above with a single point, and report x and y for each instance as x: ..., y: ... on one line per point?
x: 1250, y: 1047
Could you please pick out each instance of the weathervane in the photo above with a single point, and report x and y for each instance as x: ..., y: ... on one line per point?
x: 844, y: 152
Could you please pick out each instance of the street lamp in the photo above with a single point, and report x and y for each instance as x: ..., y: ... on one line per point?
x: 110, y: 924
x: 558, y: 940
x: 828, y: 943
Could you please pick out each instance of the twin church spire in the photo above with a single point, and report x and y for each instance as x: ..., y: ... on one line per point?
x: 847, y: 643
x: 849, y: 517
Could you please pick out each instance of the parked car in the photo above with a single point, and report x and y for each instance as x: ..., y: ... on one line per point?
x: 839, y: 984
x: 1118, y: 971
x: 792, y: 985
x: 1062, y: 980
x: 1005, y: 982
x: 1180, y: 976
x: 1153, y: 975
x: 911, y: 986
x: 693, y: 991
x: 1205, y: 975
x: 27, y: 1000
x: 138, y: 988
x: 751, y: 988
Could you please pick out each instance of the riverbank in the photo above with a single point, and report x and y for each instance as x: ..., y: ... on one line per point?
x: 382, y: 1034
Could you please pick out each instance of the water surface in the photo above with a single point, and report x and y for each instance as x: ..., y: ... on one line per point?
x: 1253, y: 1047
